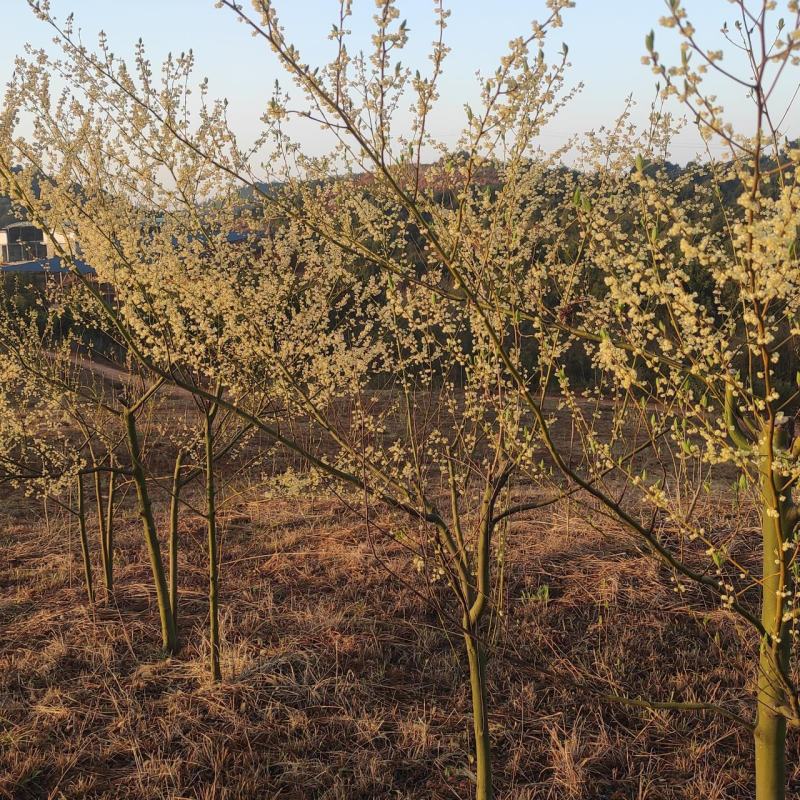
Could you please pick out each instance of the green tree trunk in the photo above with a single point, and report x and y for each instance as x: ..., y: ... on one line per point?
x: 476, y: 656
x: 174, y: 508
x: 102, y: 524
x: 770, y: 730
x: 109, y: 531
x: 169, y: 636
x: 770, y: 747
x: 211, y: 518
x: 87, y: 561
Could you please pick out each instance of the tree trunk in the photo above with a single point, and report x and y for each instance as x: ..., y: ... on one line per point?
x: 770, y: 730
x: 102, y: 523
x: 174, y: 508
x: 476, y: 655
x: 87, y: 561
x: 109, y: 531
x: 211, y: 518
x: 169, y: 636
x: 770, y: 747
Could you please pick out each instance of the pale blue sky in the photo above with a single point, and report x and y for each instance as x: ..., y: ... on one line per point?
x: 605, y: 38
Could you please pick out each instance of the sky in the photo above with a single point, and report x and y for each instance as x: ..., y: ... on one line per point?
x: 605, y: 39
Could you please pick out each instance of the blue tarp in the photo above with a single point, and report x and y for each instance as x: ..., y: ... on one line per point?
x: 48, y: 266
x: 52, y: 266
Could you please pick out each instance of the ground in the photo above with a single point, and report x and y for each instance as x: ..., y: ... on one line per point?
x: 339, y: 678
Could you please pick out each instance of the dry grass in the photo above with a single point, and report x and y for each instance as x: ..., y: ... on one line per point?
x: 339, y: 681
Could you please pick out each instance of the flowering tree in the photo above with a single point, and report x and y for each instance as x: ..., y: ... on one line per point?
x: 70, y: 421
x: 283, y: 358
x: 694, y: 334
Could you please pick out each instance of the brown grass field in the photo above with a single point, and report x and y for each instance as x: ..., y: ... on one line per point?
x: 340, y: 679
